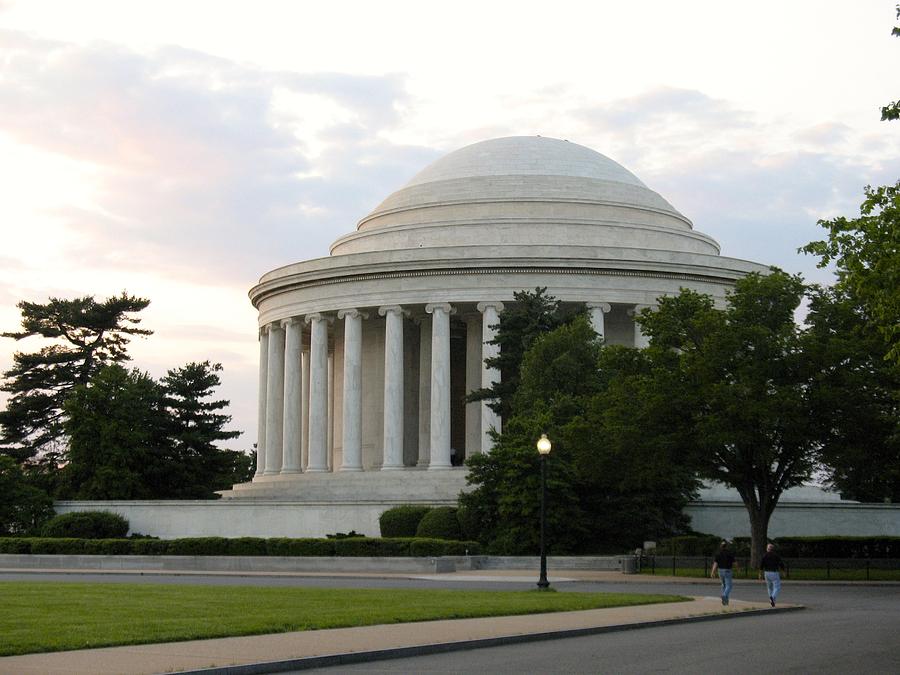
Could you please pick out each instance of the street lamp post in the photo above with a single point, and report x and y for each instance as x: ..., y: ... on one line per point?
x: 543, y: 447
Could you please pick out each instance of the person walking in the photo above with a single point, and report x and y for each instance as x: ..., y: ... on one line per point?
x: 724, y: 564
x: 770, y: 566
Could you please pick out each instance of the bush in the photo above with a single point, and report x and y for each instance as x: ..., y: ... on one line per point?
x: 402, y: 521
x: 57, y: 546
x: 247, y: 546
x: 149, y: 547
x: 198, y: 546
x: 86, y: 525
x: 108, y: 547
x: 838, y: 547
x: 282, y: 546
x: 440, y: 523
x: 690, y: 545
x: 439, y: 547
x: 15, y: 545
x: 360, y: 547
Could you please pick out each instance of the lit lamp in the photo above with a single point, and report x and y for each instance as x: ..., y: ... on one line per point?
x: 543, y: 446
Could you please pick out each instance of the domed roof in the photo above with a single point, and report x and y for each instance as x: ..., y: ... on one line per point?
x: 527, y: 190
x: 525, y: 156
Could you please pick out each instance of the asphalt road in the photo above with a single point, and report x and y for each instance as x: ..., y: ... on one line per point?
x: 845, y: 629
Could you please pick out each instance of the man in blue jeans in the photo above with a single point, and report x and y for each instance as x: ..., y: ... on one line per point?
x: 770, y: 566
x: 723, y: 563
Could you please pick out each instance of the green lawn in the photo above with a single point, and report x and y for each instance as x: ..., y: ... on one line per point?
x: 40, y: 617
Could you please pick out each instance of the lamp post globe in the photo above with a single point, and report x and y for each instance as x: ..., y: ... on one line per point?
x: 543, y: 447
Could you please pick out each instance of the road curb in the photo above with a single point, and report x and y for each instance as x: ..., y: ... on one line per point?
x: 328, y: 660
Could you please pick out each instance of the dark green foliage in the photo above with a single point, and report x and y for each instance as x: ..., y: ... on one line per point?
x: 439, y: 523
x: 281, y: 546
x: 134, y: 438
x: 23, y: 507
x: 618, y: 472
x: 15, y: 545
x: 86, y: 335
x: 53, y: 546
x: 747, y: 386
x: 198, y: 546
x: 108, y: 547
x: 149, y: 547
x: 690, y: 545
x: 86, y: 525
x: 247, y: 546
x: 440, y: 547
x: 344, y: 535
x: 856, y: 396
x: 371, y: 547
x: 838, y: 547
x: 401, y: 521
x: 531, y: 315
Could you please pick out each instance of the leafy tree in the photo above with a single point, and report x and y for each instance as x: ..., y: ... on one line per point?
x: 196, y: 423
x: 86, y: 335
x: 23, y: 507
x: 856, y: 395
x: 616, y: 474
x: 521, y: 322
x: 750, y: 381
x: 892, y: 110
x: 118, y: 438
x: 866, y: 251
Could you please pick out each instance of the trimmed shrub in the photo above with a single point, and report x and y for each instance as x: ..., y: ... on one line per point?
x: 149, y: 547
x: 468, y: 523
x: 86, y: 525
x: 282, y: 546
x: 57, y: 546
x: 440, y: 547
x: 360, y: 547
x: 108, y: 547
x: 246, y: 546
x: 440, y: 523
x: 690, y: 545
x: 402, y: 521
x: 15, y: 545
x: 198, y: 546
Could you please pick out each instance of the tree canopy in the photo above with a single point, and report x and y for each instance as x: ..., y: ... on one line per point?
x: 85, y: 334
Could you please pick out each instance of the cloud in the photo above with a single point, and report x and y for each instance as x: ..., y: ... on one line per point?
x: 202, y: 170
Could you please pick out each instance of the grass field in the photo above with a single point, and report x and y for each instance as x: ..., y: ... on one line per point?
x: 41, y: 617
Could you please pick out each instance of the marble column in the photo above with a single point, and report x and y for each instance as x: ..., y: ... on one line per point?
x: 440, y: 385
x: 393, y: 388
x: 596, y: 312
x: 490, y: 319
x: 473, y: 382
x: 424, y: 391
x: 352, y: 408
x: 304, y: 411
x: 292, y: 395
x: 329, y: 429
x: 641, y: 341
x: 261, y: 403
x: 274, y: 400
x: 318, y: 393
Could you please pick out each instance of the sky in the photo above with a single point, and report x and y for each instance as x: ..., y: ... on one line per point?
x: 179, y: 150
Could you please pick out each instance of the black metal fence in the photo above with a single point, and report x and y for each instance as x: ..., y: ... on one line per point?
x: 824, y: 568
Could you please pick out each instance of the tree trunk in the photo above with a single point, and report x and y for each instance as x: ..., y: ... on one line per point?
x: 759, y: 534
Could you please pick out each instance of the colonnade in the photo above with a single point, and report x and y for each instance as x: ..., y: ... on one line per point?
x: 296, y: 386
x: 297, y: 389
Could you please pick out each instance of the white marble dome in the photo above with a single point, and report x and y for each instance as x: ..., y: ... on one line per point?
x: 526, y: 190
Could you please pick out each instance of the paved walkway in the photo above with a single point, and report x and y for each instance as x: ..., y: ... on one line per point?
x: 269, y: 653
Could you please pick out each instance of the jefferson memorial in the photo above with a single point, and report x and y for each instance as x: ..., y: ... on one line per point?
x: 366, y: 356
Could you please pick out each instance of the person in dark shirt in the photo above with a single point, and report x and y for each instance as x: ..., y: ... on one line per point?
x: 770, y: 566
x: 724, y: 564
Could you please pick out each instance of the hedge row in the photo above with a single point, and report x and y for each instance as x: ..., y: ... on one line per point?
x: 251, y: 546
x: 788, y: 547
x: 427, y: 522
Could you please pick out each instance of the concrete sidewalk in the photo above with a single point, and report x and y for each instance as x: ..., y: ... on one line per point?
x: 294, y: 651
